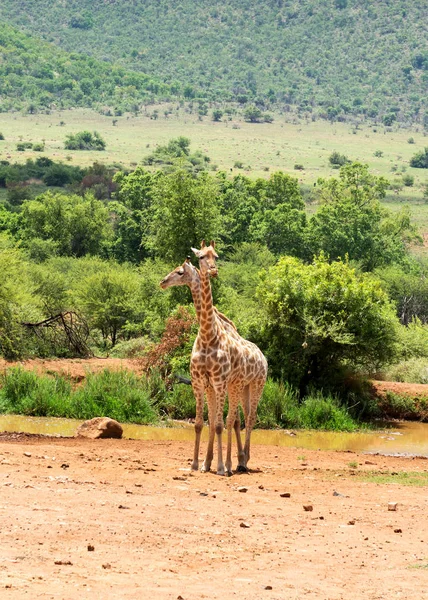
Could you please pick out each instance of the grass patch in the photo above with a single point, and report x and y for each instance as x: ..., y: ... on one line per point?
x: 397, y: 406
x: 120, y: 395
x: 128, y: 398
x: 410, y: 478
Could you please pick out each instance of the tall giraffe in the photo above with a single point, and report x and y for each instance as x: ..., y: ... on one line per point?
x: 226, y: 363
x: 187, y: 274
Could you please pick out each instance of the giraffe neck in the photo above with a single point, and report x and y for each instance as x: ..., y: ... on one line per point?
x: 208, y: 325
x: 195, y: 288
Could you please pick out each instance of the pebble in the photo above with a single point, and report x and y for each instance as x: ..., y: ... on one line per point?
x: 285, y: 495
x: 91, y: 548
x: 392, y: 505
x: 27, y: 454
x: 242, y: 489
x: 308, y: 507
x: 244, y: 525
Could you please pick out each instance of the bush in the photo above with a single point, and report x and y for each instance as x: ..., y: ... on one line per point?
x: 411, y: 140
x: 420, y: 159
x: 378, y: 153
x: 1, y: 136
x: 320, y: 317
x: 325, y: 412
x: 414, y: 370
x: 38, y: 147
x: 84, y: 140
x: 338, y: 160
x: 408, y: 180
x: 298, y: 167
x: 278, y: 406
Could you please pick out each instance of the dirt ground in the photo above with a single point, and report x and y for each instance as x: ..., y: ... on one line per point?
x: 127, y: 519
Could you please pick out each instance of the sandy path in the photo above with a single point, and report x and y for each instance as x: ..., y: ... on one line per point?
x: 159, y: 531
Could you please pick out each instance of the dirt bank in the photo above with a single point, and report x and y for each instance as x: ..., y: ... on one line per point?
x: 126, y: 519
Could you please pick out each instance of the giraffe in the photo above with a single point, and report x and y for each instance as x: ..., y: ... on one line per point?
x: 187, y: 274
x: 223, y: 362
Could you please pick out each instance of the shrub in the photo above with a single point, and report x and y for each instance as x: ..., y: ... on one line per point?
x: 338, y: 160
x: 217, y: 114
x: 420, y: 159
x: 298, y: 167
x: 408, y: 180
x: 84, y: 140
x: 325, y: 412
x: 378, y: 153
x: 22, y: 146
x: 411, y: 140
x: 39, y: 147
x: 1, y: 136
x: 323, y: 316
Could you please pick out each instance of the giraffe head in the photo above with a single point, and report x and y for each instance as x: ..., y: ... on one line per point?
x: 185, y: 274
x: 207, y: 256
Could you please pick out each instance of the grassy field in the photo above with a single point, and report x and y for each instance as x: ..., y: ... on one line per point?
x: 261, y: 147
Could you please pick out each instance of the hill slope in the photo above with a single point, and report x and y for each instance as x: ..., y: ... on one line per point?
x: 34, y: 73
x: 345, y: 56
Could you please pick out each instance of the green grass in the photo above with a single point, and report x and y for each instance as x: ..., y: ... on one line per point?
x: 124, y: 396
x: 120, y: 395
x: 410, y: 478
x: 259, y: 146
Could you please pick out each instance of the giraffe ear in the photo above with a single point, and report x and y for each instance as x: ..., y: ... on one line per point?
x: 212, y: 243
x: 198, y: 253
x: 203, y: 244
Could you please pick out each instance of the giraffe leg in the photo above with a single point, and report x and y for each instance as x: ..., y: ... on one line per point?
x: 242, y: 458
x: 255, y: 392
x: 211, y: 421
x: 198, y: 390
x: 231, y: 423
x: 237, y: 428
x: 220, y: 394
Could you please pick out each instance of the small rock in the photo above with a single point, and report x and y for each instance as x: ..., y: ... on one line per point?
x: 268, y: 587
x: 244, y: 525
x: 261, y: 487
x: 398, y: 531
x: 100, y: 427
x: 285, y: 495
x: 125, y: 507
x: 64, y: 466
x: 180, y: 598
x: 243, y: 489
x: 106, y: 566
x: 27, y: 454
x: 392, y: 505
x: 63, y: 562
x: 351, y: 522
x: 308, y: 507
x: 369, y: 462
x: 91, y: 548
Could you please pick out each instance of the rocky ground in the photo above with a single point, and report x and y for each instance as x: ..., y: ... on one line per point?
x: 127, y: 519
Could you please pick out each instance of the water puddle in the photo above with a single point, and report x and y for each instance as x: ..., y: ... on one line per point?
x: 407, y: 438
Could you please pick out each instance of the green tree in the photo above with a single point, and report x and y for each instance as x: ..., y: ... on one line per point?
x: 18, y: 301
x: 109, y: 300
x: 351, y: 221
x: 420, y: 159
x: 78, y: 225
x: 84, y: 140
x: 253, y: 114
x: 322, y: 316
x: 217, y: 114
x: 280, y: 222
x: 132, y: 214
x: 186, y: 209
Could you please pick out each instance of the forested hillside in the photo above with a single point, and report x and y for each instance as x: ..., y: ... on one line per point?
x: 36, y: 74
x: 333, y: 57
